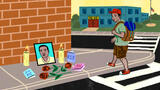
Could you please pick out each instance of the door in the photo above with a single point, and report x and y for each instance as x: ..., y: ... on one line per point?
x: 93, y: 21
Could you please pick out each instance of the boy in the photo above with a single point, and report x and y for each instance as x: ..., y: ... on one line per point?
x: 120, y: 47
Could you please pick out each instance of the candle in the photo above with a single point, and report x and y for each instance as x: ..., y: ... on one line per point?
x: 61, y: 54
x: 26, y: 57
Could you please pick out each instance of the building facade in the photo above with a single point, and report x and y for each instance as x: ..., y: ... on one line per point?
x: 100, y: 16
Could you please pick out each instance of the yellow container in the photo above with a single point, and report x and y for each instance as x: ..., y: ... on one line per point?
x: 61, y: 55
x: 26, y: 58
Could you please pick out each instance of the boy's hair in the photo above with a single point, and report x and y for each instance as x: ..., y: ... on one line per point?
x: 43, y: 46
x: 119, y: 15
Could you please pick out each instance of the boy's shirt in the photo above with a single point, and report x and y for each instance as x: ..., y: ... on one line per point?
x: 120, y: 28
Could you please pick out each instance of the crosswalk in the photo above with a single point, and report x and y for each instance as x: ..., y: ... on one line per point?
x: 112, y: 81
x: 148, y: 43
x: 144, y: 43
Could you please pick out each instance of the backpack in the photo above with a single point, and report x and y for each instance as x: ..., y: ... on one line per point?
x: 130, y: 28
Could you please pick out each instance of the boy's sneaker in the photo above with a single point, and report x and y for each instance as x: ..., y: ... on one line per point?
x: 111, y: 64
x: 124, y: 72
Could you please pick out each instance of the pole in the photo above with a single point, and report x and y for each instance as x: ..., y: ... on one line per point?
x: 150, y: 10
x: 150, y: 7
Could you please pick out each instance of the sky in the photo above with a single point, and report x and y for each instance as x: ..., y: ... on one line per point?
x: 144, y: 4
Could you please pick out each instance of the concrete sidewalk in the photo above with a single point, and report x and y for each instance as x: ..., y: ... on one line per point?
x: 91, y: 29
x: 95, y: 60
x: 108, y: 33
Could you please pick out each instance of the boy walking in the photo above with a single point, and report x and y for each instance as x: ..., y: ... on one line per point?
x: 120, y: 46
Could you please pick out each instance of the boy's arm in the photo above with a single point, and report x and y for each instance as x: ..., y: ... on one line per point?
x: 120, y: 35
x: 122, y: 30
x: 113, y: 40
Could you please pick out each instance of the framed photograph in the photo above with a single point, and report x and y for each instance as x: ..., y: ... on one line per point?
x: 44, y: 53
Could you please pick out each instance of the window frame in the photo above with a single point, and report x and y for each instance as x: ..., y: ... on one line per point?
x: 101, y: 11
x: 93, y: 11
x: 130, y: 11
x: 83, y: 11
x: 109, y: 20
x: 101, y: 21
x: 136, y: 11
x: 85, y: 21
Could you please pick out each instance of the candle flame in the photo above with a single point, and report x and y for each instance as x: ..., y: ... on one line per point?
x: 61, y: 45
x: 26, y: 48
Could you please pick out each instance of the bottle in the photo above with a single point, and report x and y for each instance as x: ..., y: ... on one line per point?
x: 26, y: 56
x: 61, y: 54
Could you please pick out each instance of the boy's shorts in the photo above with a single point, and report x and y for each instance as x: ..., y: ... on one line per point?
x: 120, y: 51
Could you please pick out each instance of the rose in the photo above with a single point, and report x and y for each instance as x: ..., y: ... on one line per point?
x: 68, y: 65
x: 43, y: 75
x: 45, y: 68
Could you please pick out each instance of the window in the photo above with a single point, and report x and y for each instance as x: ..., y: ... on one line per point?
x: 136, y: 11
x: 101, y: 11
x: 84, y: 11
x: 101, y: 21
x: 109, y: 21
x: 130, y: 19
x: 130, y: 11
x: 93, y: 11
x: 136, y: 19
x: 109, y: 9
x: 84, y: 21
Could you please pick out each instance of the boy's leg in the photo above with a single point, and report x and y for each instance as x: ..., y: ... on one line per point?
x: 125, y: 63
x: 114, y: 59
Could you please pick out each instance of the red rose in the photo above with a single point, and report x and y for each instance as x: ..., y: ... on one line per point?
x: 45, y: 68
x: 68, y: 65
x: 43, y: 75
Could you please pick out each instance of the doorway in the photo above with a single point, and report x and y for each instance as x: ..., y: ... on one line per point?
x: 93, y: 21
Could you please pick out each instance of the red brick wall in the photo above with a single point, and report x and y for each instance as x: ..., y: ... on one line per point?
x: 25, y: 22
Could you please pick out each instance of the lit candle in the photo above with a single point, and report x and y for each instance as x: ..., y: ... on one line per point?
x: 26, y: 56
x: 61, y: 54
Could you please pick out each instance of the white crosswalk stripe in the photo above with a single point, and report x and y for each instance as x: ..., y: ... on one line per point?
x: 143, y: 43
x: 111, y: 81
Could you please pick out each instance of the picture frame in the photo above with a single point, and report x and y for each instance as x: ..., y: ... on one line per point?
x: 44, y: 53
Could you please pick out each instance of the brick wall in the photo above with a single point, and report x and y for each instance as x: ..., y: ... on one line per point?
x: 25, y: 22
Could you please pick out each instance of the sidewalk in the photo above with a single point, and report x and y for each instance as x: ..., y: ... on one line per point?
x: 95, y: 60
x: 108, y: 33
x: 91, y: 29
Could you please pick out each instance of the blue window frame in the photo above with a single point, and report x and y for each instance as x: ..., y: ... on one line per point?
x: 101, y: 11
x: 130, y: 19
x: 109, y: 21
x: 130, y: 11
x: 84, y: 21
x: 109, y: 9
x: 136, y: 11
x: 101, y: 21
x: 136, y: 19
x: 84, y: 11
x: 93, y: 11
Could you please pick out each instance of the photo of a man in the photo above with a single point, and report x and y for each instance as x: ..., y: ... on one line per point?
x: 44, y: 53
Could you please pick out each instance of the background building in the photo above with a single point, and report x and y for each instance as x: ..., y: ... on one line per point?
x: 100, y: 16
